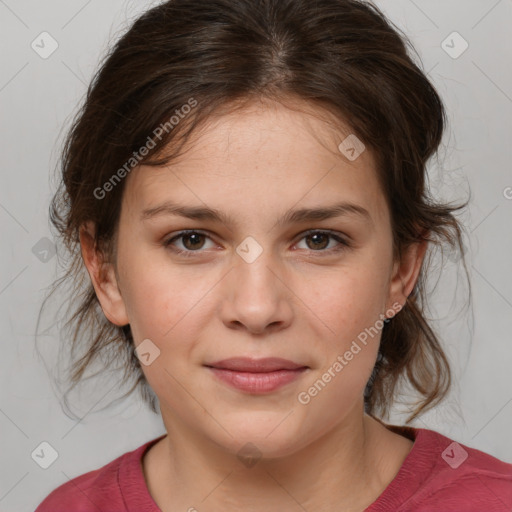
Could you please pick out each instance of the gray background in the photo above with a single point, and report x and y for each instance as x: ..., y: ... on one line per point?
x: 37, y: 99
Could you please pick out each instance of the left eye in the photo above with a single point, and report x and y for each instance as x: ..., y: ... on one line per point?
x: 193, y: 241
x: 319, y: 239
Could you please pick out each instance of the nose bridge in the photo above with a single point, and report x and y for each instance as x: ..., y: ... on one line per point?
x: 258, y: 274
x: 255, y: 273
x: 258, y: 297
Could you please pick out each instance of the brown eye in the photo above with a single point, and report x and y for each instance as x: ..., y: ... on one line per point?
x: 318, y: 241
x: 191, y: 241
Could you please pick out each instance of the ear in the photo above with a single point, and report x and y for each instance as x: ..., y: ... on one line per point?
x: 103, y: 277
x: 406, y: 272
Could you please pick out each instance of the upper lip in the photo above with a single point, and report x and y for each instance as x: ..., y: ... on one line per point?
x: 246, y: 364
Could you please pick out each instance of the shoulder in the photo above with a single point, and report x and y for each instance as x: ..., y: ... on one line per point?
x: 461, y: 477
x: 95, y: 490
x: 87, y: 492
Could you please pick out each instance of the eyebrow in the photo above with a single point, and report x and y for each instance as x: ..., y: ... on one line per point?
x: 290, y: 217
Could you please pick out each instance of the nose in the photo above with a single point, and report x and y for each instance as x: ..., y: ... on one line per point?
x: 256, y: 297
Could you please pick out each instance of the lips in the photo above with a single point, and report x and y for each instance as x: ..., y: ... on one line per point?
x: 257, y: 376
x: 265, y: 365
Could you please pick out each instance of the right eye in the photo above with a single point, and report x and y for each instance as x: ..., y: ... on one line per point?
x: 192, y: 241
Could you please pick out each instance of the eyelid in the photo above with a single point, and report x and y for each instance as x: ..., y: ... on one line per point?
x: 341, y: 238
x: 180, y: 234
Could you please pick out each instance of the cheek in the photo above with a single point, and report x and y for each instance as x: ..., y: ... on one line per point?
x: 349, y: 299
x: 349, y: 304
x: 160, y: 297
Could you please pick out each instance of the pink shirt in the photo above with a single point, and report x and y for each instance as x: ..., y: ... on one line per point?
x: 437, y: 475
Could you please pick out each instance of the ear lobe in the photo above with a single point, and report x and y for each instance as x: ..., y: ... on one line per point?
x: 406, y: 272
x: 103, y: 277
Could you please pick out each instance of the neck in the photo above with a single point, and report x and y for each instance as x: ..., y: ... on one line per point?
x: 347, y: 468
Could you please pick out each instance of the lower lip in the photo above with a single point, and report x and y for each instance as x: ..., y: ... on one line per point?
x: 257, y: 382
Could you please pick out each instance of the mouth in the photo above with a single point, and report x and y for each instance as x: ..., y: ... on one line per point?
x: 265, y: 365
x: 257, y: 376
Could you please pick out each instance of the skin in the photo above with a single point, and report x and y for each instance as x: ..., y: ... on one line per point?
x: 292, y: 302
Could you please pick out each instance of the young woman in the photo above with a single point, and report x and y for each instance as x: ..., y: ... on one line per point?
x: 245, y: 187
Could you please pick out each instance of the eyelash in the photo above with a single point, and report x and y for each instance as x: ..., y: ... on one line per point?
x: 344, y: 245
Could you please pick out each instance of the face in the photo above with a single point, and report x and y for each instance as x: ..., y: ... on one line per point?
x: 255, y: 279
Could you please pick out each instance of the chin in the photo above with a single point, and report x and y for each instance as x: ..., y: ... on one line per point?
x: 258, y: 439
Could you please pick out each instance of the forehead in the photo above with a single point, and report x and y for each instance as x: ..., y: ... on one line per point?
x: 262, y: 156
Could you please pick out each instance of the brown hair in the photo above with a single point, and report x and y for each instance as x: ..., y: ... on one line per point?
x: 341, y: 55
